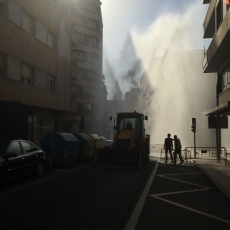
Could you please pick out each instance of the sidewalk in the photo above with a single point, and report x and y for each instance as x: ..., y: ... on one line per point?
x: 215, y: 170
x: 218, y: 173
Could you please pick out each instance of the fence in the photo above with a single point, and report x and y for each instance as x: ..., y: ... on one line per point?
x: 156, y: 148
x: 209, y: 153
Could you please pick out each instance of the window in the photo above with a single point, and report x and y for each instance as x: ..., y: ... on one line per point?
x: 41, y: 32
x: 51, y: 40
x: 14, y: 147
x: 226, y: 80
x: 51, y: 83
x: 2, y: 7
x: 219, y: 14
x: 14, y: 69
x: 26, y: 76
x: 27, y: 23
x: 26, y: 146
x: 86, y: 108
x: 15, y: 13
x: 40, y: 78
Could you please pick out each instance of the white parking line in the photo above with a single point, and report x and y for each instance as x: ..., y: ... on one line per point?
x: 137, y: 210
x: 192, y: 209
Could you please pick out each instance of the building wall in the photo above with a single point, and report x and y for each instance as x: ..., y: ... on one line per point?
x: 217, y: 59
x: 88, y: 89
x: 39, y: 59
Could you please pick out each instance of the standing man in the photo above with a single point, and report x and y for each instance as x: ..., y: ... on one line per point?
x: 177, y: 147
x: 168, y: 145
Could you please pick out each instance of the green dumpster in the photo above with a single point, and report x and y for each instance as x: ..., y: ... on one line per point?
x: 86, y: 144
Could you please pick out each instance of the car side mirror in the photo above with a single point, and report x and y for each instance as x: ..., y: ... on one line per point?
x: 146, y: 117
x: 110, y: 118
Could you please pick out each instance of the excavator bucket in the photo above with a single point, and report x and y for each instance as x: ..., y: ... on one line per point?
x: 119, y: 158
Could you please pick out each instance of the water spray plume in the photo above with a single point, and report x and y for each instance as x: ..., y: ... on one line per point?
x: 173, y: 88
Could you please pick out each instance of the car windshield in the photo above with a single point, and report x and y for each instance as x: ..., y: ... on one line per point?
x: 3, y: 144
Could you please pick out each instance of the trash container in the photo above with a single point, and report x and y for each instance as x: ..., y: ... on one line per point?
x: 85, y: 147
x: 98, y: 144
x: 62, y: 148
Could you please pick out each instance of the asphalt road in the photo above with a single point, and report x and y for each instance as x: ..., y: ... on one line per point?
x: 182, y: 197
x: 79, y: 197
x: 86, y: 197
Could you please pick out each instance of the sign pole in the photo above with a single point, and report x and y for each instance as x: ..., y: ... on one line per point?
x: 194, y: 131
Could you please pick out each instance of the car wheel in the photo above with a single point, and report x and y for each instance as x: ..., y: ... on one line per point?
x: 39, y: 169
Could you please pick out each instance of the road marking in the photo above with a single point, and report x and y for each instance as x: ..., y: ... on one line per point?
x: 177, y: 168
x: 175, y: 174
x: 177, y: 192
x: 192, y: 209
x: 138, y: 208
x: 185, y: 182
x: 158, y: 196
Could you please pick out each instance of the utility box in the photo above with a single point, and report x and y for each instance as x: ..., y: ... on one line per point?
x: 86, y: 144
x: 98, y: 144
x: 62, y: 148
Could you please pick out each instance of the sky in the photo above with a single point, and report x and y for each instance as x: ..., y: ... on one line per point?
x: 122, y: 16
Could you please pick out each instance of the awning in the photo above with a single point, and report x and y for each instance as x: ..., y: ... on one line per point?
x: 219, y: 110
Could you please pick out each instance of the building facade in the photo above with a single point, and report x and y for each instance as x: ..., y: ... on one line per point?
x: 217, y: 60
x: 50, y: 66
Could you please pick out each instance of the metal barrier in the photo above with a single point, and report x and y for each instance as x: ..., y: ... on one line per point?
x: 209, y: 153
x: 156, y: 148
x: 184, y: 153
x: 205, y: 153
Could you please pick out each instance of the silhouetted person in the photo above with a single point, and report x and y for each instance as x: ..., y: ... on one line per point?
x: 168, y: 145
x: 177, y: 147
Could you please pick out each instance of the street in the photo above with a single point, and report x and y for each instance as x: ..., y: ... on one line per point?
x: 182, y: 197
x: 86, y: 197
x: 79, y: 197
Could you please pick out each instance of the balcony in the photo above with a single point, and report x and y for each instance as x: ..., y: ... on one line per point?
x: 218, y: 52
x: 209, y: 21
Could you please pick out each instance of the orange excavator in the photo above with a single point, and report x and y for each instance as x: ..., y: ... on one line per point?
x: 130, y: 146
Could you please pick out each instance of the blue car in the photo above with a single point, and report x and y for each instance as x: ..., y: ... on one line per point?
x: 19, y: 157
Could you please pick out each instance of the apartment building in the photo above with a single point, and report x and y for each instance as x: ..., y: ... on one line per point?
x: 217, y: 60
x: 50, y: 66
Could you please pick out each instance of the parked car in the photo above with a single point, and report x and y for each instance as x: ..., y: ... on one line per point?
x: 106, y: 142
x: 18, y: 157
